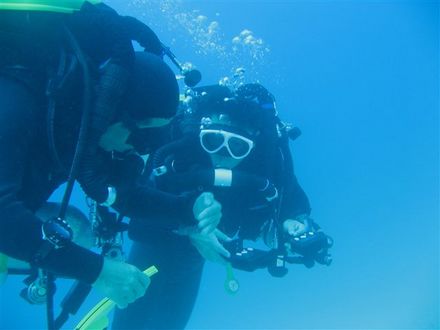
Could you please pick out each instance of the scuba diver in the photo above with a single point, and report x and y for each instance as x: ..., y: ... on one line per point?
x: 232, y: 144
x: 72, y: 94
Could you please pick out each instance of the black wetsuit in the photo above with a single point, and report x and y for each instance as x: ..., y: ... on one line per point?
x: 28, y: 172
x: 170, y: 298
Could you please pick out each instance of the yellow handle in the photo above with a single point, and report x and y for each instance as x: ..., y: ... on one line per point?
x: 97, y: 318
x: 150, y: 271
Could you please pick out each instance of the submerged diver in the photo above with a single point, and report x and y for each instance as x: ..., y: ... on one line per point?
x: 228, y: 143
x: 68, y: 69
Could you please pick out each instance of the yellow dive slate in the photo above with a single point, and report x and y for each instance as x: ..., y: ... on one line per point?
x: 97, y: 318
x: 57, y: 6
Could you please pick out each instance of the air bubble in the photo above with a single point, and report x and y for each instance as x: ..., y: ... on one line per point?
x: 244, y: 49
x: 201, y: 19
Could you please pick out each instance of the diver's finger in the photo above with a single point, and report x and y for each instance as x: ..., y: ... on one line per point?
x: 126, y: 297
x: 209, y: 229
x: 122, y: 305
x: 206, y: 222
x: 205, y: 199
x: 215, y: 256
x: 221, y: 249
x: 134, y: 293
x: 140, y: 291
x: 209, y: 221
x: 210, y: 211
x: 208, y: 198
x: 222, y: 236
x: 299, y: 232
x: 219, y: 259
x: 144, y: 281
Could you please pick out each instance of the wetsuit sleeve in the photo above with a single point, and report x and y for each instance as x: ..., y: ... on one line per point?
x: 141, y: 33
x: 294, y: 200
x: 20, y: 229
x: 136, y: 198
x: 161, y: 210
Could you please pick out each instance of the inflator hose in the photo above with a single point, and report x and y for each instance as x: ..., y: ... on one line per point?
x: 111, y: 87
x: 159, y: 157
x: 109, y: 92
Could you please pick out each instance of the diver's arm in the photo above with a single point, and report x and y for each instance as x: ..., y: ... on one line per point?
x: 135, y: 198
x: 141, y: 33
x: 163, y: 210
x: 294, y: 201
x: 20, y: 229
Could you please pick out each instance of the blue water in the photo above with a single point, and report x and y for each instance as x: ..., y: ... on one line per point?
x: 361, y: 80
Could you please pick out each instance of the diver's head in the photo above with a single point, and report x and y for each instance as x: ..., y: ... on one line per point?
x: 232, y: 123
x: 151, y: 100
x: 226, y: 141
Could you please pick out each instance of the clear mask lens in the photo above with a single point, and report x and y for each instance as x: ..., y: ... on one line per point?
x: 238, y: 147
x: 212, y: 142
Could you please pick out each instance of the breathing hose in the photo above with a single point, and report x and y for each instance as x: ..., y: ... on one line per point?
x: 82, y: 136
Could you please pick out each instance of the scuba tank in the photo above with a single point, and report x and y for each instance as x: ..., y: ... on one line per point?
x: 58, y: 6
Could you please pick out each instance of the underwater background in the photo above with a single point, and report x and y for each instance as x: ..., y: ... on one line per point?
x: 361, y: 80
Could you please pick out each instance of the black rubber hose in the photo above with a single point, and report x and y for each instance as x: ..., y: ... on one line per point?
x: 56, y: 83
x: 110, y: 91
x: 49, y: 301
x: 86, y: 109
x: 163, y: 152
x: 72, y: 302
x: 50, y: 92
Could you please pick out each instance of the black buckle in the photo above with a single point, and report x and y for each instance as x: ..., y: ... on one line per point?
x: 56, y: 233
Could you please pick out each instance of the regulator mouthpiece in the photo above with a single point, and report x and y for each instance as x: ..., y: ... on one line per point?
x: 191, y: 76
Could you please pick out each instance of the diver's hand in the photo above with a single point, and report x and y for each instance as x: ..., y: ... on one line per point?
x: 209, y: 245
x: 295, y: 227
x: 121, y: 282
x: 207, y: 212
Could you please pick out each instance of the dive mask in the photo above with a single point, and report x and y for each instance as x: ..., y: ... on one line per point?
x: 213, y: 140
